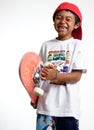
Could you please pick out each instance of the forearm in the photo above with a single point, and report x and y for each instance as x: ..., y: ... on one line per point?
x: 74, y: 76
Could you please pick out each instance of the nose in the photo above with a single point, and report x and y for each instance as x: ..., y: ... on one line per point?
x: 62, y: 20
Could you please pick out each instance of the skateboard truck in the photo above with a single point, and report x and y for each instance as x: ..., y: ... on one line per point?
x: 36, y: 78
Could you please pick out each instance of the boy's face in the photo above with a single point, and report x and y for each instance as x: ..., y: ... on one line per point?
x: 64, y: 23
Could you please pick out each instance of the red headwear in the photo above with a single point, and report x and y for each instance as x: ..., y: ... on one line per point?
x: 77, y: 33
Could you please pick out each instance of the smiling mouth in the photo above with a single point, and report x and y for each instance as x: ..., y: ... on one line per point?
x: 62, y: 28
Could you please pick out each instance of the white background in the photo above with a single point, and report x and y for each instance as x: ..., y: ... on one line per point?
x: 24, y: 26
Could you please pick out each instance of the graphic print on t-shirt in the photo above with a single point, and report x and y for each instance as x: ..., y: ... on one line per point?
x: 60, y: 59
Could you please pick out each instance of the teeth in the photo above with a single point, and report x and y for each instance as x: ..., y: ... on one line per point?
x: 61, y: 28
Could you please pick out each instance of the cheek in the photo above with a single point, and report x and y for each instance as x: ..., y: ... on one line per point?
x: 72, y: 25
x: 55, y: 25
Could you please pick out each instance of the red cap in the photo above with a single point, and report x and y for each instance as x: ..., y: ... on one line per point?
x: 77, y: 33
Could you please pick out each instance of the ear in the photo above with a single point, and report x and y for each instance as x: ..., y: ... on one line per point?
x: 77, y: 25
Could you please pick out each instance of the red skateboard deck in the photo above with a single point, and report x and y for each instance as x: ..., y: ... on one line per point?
x: 28, y: 66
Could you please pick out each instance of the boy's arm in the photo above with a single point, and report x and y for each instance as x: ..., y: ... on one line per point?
x: 60, y: 78
x: 72, y: 77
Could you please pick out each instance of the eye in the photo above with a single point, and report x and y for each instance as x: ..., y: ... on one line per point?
x: 68, y: 19
x: 58, y: 17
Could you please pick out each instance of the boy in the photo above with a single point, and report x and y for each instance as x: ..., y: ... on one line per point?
x: 59, y: 107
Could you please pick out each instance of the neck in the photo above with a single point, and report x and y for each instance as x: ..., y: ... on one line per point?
x: 63, y: 38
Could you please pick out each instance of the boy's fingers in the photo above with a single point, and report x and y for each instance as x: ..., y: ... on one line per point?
x: 33, y: 105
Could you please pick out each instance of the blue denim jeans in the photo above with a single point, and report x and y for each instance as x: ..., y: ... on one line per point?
x: 45, y: 122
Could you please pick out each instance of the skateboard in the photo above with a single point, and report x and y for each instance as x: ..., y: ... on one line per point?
x: 29, y: 72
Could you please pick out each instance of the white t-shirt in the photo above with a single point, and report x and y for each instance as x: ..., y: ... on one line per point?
x: 60, y: 100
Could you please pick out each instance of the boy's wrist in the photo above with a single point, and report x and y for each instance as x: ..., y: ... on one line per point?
x: 56, y: 80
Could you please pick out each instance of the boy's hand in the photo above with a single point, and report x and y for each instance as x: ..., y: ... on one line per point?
x: 34, y: 105
x: 48, y: 73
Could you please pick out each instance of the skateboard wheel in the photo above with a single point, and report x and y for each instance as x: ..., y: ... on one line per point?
x: 38, y: 91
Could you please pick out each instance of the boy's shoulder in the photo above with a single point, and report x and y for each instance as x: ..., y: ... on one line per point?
x: 75, y: 40
x: 49, y: 42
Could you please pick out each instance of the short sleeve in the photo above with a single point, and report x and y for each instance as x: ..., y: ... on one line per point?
x: 42, y: 53
x: 79, y: 59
